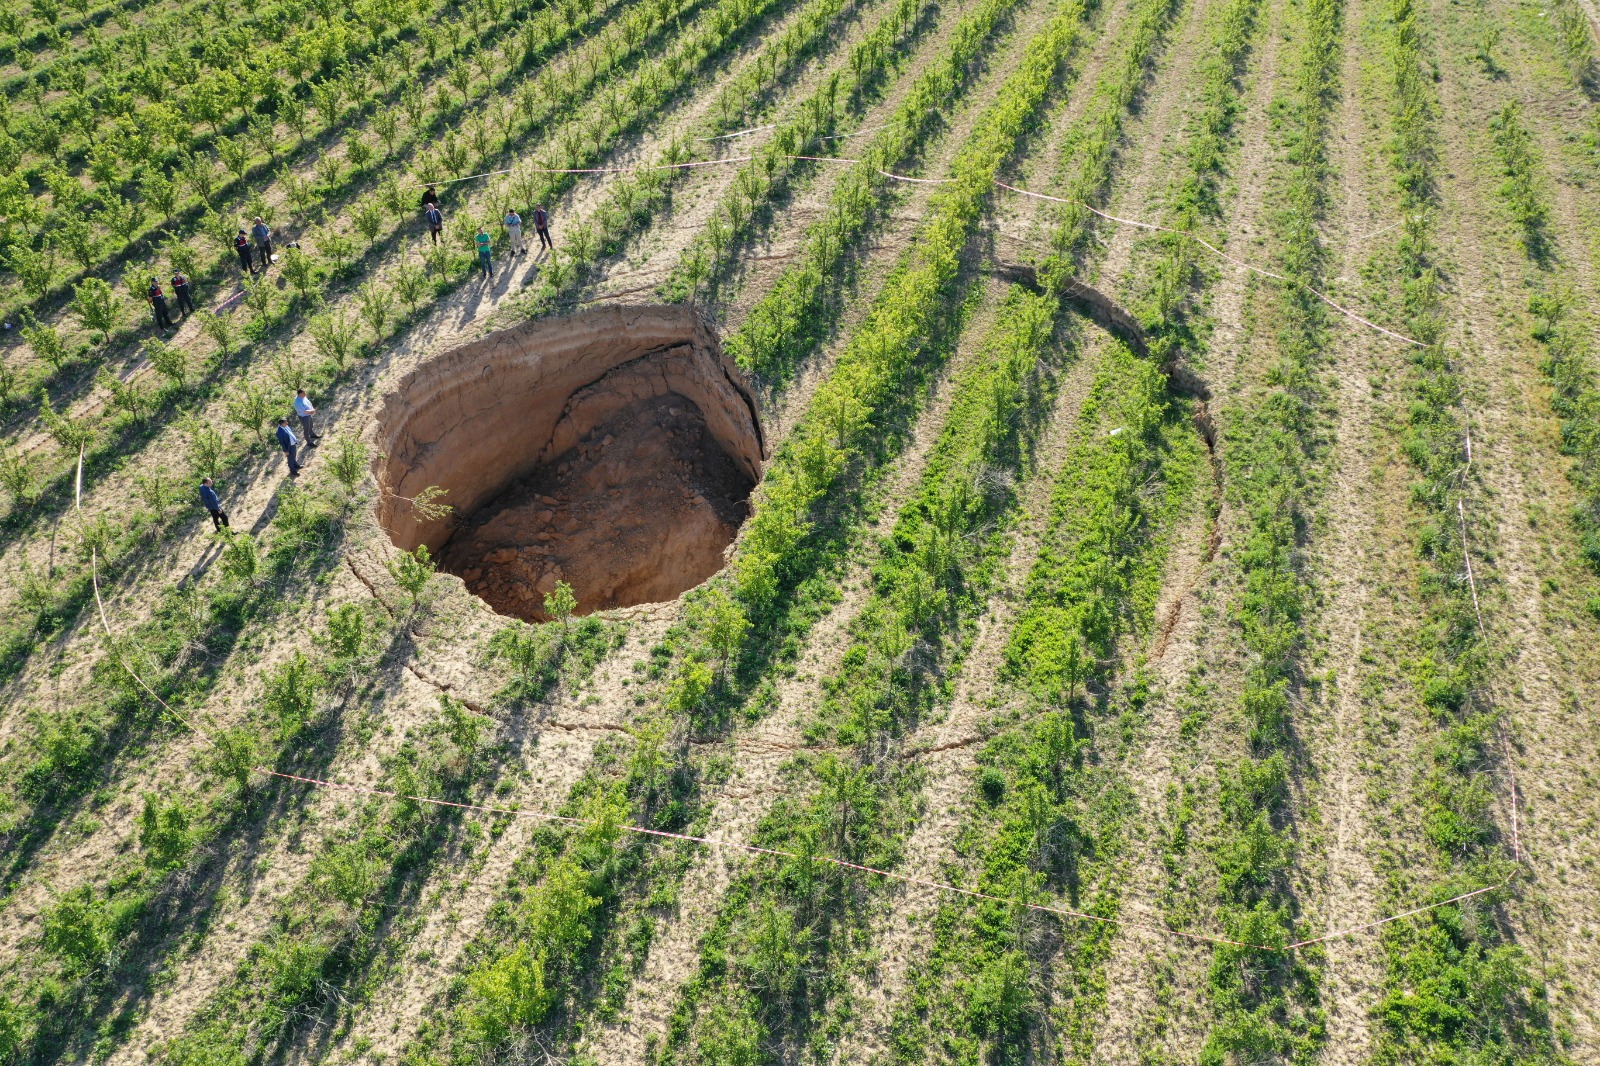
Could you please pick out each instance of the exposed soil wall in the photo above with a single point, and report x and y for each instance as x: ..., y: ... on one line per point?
x: 613, y: 449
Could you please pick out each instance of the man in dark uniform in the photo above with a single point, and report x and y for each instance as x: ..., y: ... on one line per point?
x: 158, y: 303
x: 241, y: 244
x: 180, y: 290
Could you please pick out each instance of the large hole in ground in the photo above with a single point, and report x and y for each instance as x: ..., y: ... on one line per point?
x: 614, y: 450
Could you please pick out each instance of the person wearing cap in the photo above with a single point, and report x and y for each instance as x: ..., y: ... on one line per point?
x: 213, y: 505
x: 290, y: 445
x: 241, y: 244
x: 263, y: 235
x: 514, y: 230
x: 158, y: 303
x: 307, y: 411
x: 180, y: 292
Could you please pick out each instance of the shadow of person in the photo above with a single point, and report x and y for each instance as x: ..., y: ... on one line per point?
x: 212, y: 553
x: 264, y: 519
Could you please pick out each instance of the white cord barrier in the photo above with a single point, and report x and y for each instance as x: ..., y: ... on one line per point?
x: 905, y: 178
x: 754, y: 849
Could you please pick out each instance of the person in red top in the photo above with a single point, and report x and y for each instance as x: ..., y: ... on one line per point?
x: 180, y: 291
x: 158, y: 303
x: 541, y: 226
x: 241, y: 244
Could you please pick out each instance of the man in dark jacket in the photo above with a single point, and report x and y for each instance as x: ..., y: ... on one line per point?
x: 430, y: 198
x: 180, y: 290
x: 241, y: 244
x: 290, y: 445
x: 541, y: 226
x: 213, y: 505
x: 158, y: 303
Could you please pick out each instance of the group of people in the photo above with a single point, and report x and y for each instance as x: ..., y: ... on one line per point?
x: 260, y: 233
x: 306, y: 412
x: 254, y: 246
x: 180, y: 293
x: 434, y: 215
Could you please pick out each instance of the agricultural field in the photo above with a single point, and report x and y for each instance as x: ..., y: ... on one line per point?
x: 1057, y: 531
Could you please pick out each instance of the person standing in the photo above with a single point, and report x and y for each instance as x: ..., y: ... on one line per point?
x: 263, y: 236
x: 541, y: 226
x: 180, y: 290
x: 290, y: 445
x: 158, y: 303
x: 514, y: 228
x: 430, y: 197
x: 241, y: 244
x: 308, y: 413
x: 435, y: 219
x: 213, y: 505
x: 485, y: 252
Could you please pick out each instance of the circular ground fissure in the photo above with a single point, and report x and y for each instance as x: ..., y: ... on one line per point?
x: 614, y: 450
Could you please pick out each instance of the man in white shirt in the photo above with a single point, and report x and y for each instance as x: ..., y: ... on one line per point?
x: 514, y: 228
x: 307, y: 412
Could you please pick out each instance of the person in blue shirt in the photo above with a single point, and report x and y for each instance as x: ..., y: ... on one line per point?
x: 308, y: 413
x: 290, y: 444
x: 213, y: 505
x: 263, y: 237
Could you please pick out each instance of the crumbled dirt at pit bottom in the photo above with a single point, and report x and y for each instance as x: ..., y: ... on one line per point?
x: 641, y: 508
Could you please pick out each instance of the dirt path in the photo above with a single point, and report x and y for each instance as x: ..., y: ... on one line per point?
x: 462, y: 314
x: 1347, y: 888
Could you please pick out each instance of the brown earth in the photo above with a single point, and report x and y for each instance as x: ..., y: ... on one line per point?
x: 614, y: 450
x: 638, y: 510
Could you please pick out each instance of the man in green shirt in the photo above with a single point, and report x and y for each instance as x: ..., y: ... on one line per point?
x: 485, y: 253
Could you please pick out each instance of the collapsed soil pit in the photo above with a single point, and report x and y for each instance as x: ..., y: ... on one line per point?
x: 614, y: 450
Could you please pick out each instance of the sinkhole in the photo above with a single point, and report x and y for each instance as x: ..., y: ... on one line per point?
x: 614, y: 449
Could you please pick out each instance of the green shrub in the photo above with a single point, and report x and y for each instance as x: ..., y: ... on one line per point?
x: 166, y: 831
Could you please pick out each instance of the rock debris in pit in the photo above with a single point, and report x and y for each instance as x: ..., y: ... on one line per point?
x: 640, y: 509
